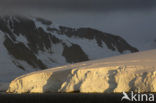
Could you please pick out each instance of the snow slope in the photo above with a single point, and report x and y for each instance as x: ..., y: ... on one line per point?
x: 131, y: 72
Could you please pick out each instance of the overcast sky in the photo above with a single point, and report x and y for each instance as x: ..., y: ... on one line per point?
x: 135, y: 20
x: 78, y: 5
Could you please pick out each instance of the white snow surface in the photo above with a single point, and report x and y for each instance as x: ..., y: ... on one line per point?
x: 22, y: 39
x: 8, y: 68
x: 128, y: 72
x: 53, y: 59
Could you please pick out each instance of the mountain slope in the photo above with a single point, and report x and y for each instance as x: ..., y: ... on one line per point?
x: 29, y: 44
x: 132, y: 72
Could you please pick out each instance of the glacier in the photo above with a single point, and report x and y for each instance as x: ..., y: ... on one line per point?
x: 131, y: 72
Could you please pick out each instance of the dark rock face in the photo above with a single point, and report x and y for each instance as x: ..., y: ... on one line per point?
x: 113, y: 42
x: 74, y: 54
x: 21, y: 52
x: 38, y: 39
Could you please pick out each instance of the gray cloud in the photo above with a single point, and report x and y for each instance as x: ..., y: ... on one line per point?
x: 78, y: 5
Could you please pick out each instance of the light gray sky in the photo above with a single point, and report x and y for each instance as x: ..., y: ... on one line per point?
x: 132, y: 19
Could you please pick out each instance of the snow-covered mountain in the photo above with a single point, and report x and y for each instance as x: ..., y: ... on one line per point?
x: 29, y: 44
x: 125, y: 73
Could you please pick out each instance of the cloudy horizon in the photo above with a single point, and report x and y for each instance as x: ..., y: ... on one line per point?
x: 79, y: 5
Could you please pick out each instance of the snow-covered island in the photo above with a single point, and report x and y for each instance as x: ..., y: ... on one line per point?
x: 130, y: 72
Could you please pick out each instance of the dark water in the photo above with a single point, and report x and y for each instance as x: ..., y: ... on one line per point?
x: 63, y: 98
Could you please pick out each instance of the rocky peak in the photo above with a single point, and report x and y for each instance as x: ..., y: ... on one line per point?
x: 113, y: 42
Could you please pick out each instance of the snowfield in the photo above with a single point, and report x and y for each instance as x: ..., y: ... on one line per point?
x: 131, y: 72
